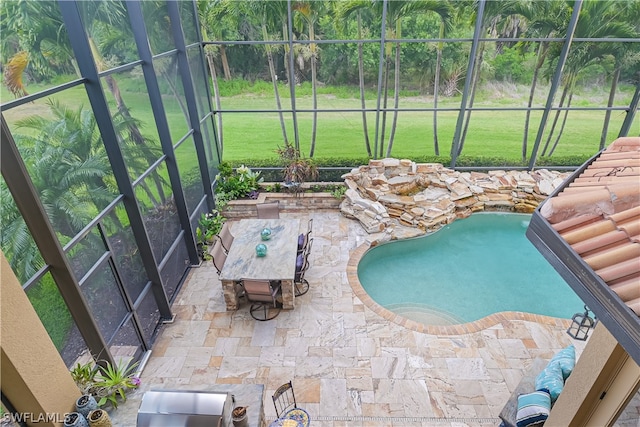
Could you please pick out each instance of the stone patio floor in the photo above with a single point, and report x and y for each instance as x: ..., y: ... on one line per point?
x: 349, y: 365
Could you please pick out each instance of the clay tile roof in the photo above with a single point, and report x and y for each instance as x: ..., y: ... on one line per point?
x: 598, y: 215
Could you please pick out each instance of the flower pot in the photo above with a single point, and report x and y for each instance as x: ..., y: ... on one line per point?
x: 75, y: 419
x: 86, y: 404
x: 99, y: 418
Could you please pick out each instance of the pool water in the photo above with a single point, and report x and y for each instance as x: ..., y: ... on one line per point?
x: 468, y: 270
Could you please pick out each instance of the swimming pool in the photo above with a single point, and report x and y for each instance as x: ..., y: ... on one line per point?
x: 468, y: 270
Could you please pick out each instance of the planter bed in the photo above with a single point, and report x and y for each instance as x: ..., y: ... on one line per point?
x: 289, y: 202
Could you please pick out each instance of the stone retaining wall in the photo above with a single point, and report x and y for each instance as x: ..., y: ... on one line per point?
x: 238, y: 209
x: 390, y: 194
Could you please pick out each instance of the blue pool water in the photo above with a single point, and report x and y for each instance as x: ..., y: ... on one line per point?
x: 470, y: 269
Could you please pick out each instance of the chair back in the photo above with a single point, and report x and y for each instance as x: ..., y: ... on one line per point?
x: 269, y: 210
x: 307, y: 248
x: 226, y: 237
x: 219, y: 255
x: 284, y: 399
x: 260, y: 290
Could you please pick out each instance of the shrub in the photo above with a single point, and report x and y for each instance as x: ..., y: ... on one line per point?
x: 235, y: 184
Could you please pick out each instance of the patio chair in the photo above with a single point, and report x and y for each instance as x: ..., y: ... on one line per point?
x: 219, y: 255
x: 263, y: 295
x: 225, y: 237
x: 269, y: 210
x: 284, y: 399
x: 300, y: 284
x: 303, y: 241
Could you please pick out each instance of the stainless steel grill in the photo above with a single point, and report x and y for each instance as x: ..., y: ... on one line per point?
x: 168, y: 408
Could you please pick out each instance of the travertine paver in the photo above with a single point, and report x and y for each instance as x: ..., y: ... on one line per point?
x: 350, y: 366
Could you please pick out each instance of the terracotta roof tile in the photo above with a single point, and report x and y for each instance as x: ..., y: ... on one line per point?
x: 598, y: 214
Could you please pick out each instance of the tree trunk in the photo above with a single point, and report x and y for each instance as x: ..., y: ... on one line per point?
x: 361, y: 84
x: 436, y: 90
x: 564, y: 122
x: 384, y: 106
x: 274, y: 81
x: 225, y: 63
x: 314, y: 89
x: 216, y: 95
x: 565, y: 91
x: 542, y: 54
x: 607, y: 115
x: 474, y: 86
x: 396, y: 100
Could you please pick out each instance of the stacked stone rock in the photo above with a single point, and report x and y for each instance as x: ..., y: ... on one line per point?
x: 390, y: 192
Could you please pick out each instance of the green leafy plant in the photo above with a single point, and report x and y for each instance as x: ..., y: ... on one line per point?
x: 296, y: 169
x: 210, y: 225
x: 111, y: 382
x: 83, y: 375
x: 106, y: 383
x: 235, y: 184
x: 339, y: 191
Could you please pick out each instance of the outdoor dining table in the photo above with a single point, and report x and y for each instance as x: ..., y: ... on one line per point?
x: 279, y: 263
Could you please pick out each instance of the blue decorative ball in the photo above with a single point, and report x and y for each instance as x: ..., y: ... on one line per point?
x: 261, y: 250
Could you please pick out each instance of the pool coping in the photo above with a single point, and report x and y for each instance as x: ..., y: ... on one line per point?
x: 464, y: 328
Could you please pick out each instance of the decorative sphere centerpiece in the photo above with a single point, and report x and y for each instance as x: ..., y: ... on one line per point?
x: 265, y: 234
x: 261, y: 249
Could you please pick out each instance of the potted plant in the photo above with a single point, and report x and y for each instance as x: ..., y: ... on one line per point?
x: 85, y: 404
x: 99, y: 418
x: 239, y: 416
x: 74, y: 419
x: 83, y: 375
x: 112, y: 382
x: 296, y: 169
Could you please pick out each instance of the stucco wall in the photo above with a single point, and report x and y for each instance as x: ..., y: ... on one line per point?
x: 33, y: 376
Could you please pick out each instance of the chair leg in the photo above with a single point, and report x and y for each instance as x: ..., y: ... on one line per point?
x: 301, y: 287
x: 263, y: 311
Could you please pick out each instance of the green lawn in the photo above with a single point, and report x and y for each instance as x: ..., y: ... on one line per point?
x: 255, y: 136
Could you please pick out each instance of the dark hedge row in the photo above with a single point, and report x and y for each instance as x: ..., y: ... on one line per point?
x: 332, y: 169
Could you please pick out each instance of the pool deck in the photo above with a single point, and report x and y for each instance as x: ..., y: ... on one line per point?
x: 352, y: 363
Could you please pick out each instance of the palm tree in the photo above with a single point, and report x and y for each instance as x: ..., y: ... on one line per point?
x: 597, y: 20
x: 546, y: 19
x: 15, y: 240
x: 268, y: 17
x: 219, y: 21
x: 310, y: 16
x: 445, y: 25
x: 494, y: 11
x: 395, y: 12
x: 342, y: 12
x: 625, y: 55
x: 36, y: 28
x: 67, y: 163
x: 211, y: 14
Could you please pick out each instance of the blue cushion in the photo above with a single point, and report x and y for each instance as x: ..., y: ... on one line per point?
x: 300, y: 241
x: 299, y: 262
x: 533, y: 408
x: 566, y: 358
x: 551, y: 379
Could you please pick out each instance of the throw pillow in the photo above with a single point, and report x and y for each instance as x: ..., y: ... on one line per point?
x: 566, y: 358
x: 551, y: 379
x: 533, y: 408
